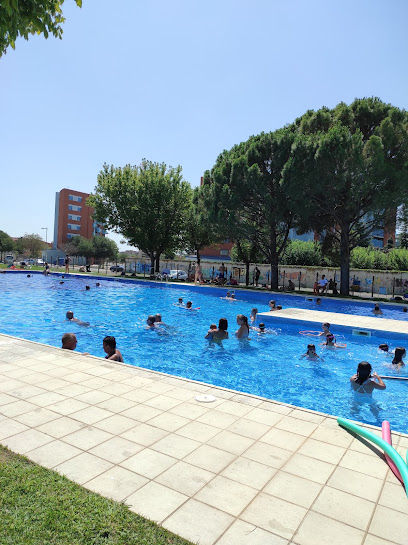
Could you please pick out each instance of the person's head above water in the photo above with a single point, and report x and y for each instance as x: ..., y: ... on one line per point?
x: 213, y: 326
x: 223, y: 324
x: 189, y: 304
x: 261, y: 326
x: 69, y: 341
x: 69, y: 315
x: 384, y: 347
x: 158, y: 318
x: 180, y: 300
x: 330, y: 338
x: 376, y: 306
x: 325, y: 325
x: 363, y: 371
x: 311, y: 348
x: 150, y: 319
x: 109, y: 342
x: 399, y: 353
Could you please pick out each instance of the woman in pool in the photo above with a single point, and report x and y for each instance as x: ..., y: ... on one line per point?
x: 272, y: 305
x: 311, y: 353
x: 254, y: 312
x: 364, y: 381
x: 218, y: 334
x: 399, y: 353
x: 243, y: 331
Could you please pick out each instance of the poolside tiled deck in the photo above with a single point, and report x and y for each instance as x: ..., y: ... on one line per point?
x: 239, y: 471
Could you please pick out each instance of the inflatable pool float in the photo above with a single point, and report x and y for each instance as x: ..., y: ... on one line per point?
x: 386, y: 435
x: 386, y: 447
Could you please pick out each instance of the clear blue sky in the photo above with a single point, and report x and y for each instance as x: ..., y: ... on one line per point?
x: 178, y: 81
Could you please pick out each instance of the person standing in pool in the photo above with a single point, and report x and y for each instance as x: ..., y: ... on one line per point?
x: 112, y: 353
x: 376, y: 310
x: 254, y: 312
x: 399, y: 353
x: 69, y: 341
x: 364, y: 381
x: 272, y: 305
x: 243, y: 331
x: 219, y: 334
x: 311, y: 353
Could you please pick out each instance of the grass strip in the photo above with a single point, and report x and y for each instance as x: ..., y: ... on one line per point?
x: 40, y: 507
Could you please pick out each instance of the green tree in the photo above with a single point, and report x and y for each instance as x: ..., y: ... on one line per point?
x: 6, y: 244
x: 104, y: 248
x: 249, y: 198
x: 348, y: 168
x: 25, y: 17
x: 304, y: 253
x: 199, y: 230
x: 32, y: 245
x: 247, y: 253
x: 146, y: 204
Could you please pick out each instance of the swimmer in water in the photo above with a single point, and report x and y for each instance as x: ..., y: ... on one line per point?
x: 330, y: 342
x: 311, y: 353
x: 260, y: 328
x: 272, y: 305
x: 112, y: 353
x: 218, y: 334
x: 71, y: 318
x: 254, y: 312
x: 243, y: 331
x: 376, y: 310
x: 180, y: 302
x: 318, y: 301
x: 399, y: 353
x: 151, y: 322
x: 158, y: 320
x: 87, y: 288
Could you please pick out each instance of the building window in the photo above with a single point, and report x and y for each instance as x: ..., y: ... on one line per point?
x: 224, y: 252
x: 72, y: 235
x: 75, y: 198
x: 74, y: 208
x: 73, y: 227
x: 73, y: 217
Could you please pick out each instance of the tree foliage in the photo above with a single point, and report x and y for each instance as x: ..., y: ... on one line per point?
x: 25, y: 17
x: 32, y: 245
x: 6, y: 243
x: 200, y: 231
x: 146, y: 204
x: 247, y: 252
x: 304, y: 253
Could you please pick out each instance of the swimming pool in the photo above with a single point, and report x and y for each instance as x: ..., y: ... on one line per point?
x: 268, y: 365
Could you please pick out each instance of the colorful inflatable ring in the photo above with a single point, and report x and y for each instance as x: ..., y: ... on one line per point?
x: 386, y: 447
x: 386, y: 435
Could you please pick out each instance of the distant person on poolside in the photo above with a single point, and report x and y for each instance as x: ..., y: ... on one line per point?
x: 253, y: 314
x: 243, y: 331
x: 322, y: 284
x: 46, y: 269
x: 67, y: 261
x: 70, y: 317
x: 311, y: 353
x: 218, y: 334
x: 112, y: 353
x: 291, y: 285
x: 364, y: 381
x: 272, y: 305
x: 376, y: 310
x: 69, y: 341
x: 399, y: 353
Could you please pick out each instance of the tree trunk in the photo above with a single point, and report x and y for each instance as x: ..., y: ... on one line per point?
x: 198, y: 256
x: 151, y: 264
x: 274, y: 272
x: 247, y: 264
x: 344, y: 262
x: 158, y: 262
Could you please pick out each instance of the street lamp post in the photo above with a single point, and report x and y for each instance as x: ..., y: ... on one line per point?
x: 46, y: 233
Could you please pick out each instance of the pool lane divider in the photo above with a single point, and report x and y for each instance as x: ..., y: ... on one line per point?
x: 384, y: 445
x: 386, y: 435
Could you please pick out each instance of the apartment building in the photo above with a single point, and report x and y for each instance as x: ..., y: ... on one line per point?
x: 73, y: 217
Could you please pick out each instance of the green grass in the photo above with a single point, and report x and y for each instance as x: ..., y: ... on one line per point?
x: 40, y: 507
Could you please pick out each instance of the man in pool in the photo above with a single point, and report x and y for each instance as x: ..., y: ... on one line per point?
x: 151, y: 322
x: 69, y: 341
x: 70, y: 317
x: 112, y: 353
x: 376, y: 310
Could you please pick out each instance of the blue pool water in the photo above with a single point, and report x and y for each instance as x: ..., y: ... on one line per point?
x: 268, y: 365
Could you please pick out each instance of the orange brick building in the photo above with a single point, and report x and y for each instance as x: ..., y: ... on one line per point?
x: 73, y: 217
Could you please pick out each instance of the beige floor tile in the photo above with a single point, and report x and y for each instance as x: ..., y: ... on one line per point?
x: 5, y: 399
x: 249, y: 472
x: 226, y: 495
x: 217, y: 418
x: 116, y: 389
x: 344, y: 507
x: 198, y: 522
x: 91, y: 415
x: 306, y: 415
x: 283, y: 439
x: 49, y: 398
x: 246, y: 399
x: 17, y: 408
x: 87, y: 438
x: 276, y: 407
x: 117, y: 424
x: 274, y: 515
x: 394, y: 497
x: 359, y: 444
x: 77, y: 377
x: 231, y: 442
x: 95, y: 383
x: 357, y: 461
x: 262, y: 416
x: 242, y: 533
x: 176, y: 446
x: 162, y: 402
x: 169, y: 421
x: 267, y: 454
x: 338, y: 436
x: 53, y: 384
x: 68, y: 406
x: 141, y: 413
x: 54, y: 453
x: 234, y: 408
x: 12, y: 384
x: 295, y: 425
x: 293, y: 488
x: 144, y: 434
x: 37, y: 417
x: 25, y: 441
x: 183, y: 394
x: 159, y: 387
x: 144, y: 501
x: 185, y: 478
x: 83, y: 468
x: 249, y: 428
x: 116, y: 404
x: 189, y: 410
x: 149, y: 463
x: 117, y: 483
x: 59, y: 372
x: 315, y: 470
x: 73, y: 390
x: 61, y: 426
x: 374, y: 540
x: 94, y: 397
x: 356, y: 483
x: 210, y: 458
x: 322, y: 451
x: 138, y: 396
x: 35, y: 378
x: 198, y: 431
x: 116, y: 449
x: 10, y: 427
x: 27, y: 391
x: 317, y: 529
